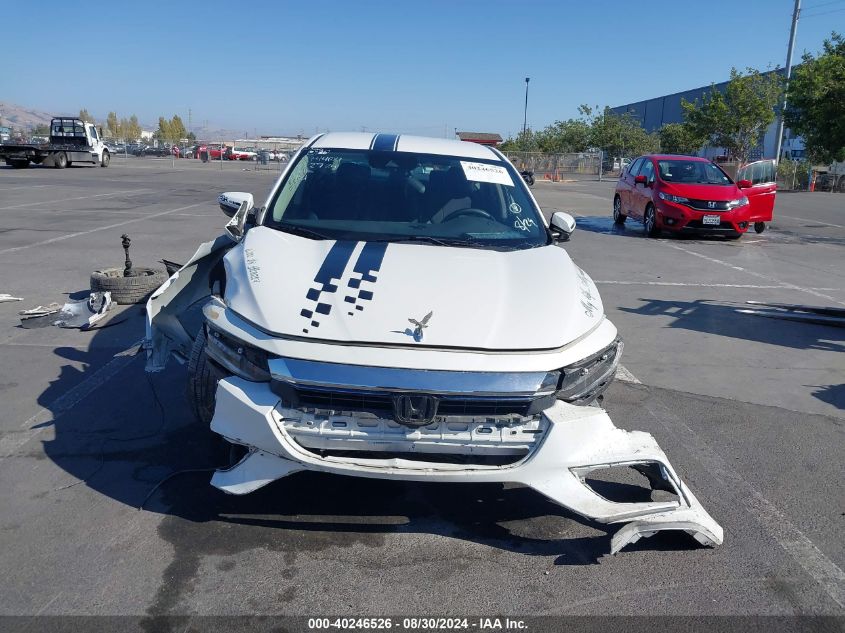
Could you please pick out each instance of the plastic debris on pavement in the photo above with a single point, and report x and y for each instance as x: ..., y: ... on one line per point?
x: 7, y: 297
x: 83, y: 314
x: 73, y: 314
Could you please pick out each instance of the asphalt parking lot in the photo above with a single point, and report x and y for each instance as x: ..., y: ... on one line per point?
x: 750, y: 411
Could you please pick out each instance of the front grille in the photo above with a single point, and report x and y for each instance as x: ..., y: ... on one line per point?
x: 702, y: 205
x: 381, y: 402
x: 698, y: 225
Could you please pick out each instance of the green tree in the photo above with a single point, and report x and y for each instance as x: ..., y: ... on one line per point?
x: 572, y: 135
x: 617, y: 134
x: 163, y: 131
x: 816, y: 101
x: 42, y: 129
x: 133, y: 128
x: 83, y: 114
x: 678, y: 138
x: 524, y: 142
x: 177, y: 129
x: 112, y: 125
x: 737, y: 118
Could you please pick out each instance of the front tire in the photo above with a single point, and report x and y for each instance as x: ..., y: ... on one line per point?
x: 104, y: 161
x: 203, y: 377
x: 618, y: 217
x: 650, y: 222
x: 759, y: 227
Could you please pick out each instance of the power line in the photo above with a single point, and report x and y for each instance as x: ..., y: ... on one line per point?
x: 815, y: 15
x: 823, y: 4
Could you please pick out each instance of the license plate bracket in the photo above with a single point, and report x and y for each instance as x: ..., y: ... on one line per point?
x: 711, y: 220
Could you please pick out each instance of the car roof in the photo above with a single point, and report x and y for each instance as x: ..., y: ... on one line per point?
x: 404, y: 143
x: 698, y: 159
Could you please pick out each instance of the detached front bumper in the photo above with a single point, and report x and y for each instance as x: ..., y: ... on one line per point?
x: 568, y: 443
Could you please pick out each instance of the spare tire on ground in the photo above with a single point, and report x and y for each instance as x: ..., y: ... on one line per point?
x: 127, y: 290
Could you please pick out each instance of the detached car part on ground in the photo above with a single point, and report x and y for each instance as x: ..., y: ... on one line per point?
x: 388, y: 314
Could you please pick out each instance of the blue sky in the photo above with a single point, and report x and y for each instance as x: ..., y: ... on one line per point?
x: 416, y: 67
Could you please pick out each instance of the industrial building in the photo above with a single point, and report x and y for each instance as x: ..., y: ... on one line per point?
x: 657, y: 112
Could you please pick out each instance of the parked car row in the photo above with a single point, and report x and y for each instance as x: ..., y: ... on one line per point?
x: 688, y: 194
x: 195, y: 151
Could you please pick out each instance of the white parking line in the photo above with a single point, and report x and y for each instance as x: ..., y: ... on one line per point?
x: 624, y: 375
x: 793, y: 541
x: 699, y: 285
x: 11, y: 442
x: 784, y: 284
x: 99, y: 195
x: 60, y: 238
x: 792, y: 217
x: 25, y: 187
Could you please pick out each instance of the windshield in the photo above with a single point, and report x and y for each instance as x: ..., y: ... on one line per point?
x: 402, y: 196
x: 692, y: 171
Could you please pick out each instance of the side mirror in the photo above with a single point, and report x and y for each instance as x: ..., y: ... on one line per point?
x: 230, y: 202
x: 640, y: 180
x: 235, y: 227
x: 562, y: 225
x: 744, y: 184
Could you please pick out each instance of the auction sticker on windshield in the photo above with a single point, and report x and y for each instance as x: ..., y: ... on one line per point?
x: 482, y: 172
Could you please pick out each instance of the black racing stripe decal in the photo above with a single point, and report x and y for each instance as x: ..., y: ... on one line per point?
x: 326, y: 281
x: 364, y: 274
x: 385, y: 142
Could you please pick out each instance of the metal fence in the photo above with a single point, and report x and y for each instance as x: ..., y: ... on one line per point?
x: 558, y: 167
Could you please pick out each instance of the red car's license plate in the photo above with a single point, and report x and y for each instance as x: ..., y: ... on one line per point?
x: 711, y: 219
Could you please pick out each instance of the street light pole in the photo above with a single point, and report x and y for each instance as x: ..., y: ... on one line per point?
x: 779, y: 139
x: 525, y: 112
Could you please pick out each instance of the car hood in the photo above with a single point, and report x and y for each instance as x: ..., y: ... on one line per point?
x: 703, y: 192
x: 368, y: 292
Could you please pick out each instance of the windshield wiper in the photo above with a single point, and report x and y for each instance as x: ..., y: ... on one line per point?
x: 303, y: 231
x: 429, y: 239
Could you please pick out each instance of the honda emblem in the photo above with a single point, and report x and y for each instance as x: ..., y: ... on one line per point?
x: 414, y: 410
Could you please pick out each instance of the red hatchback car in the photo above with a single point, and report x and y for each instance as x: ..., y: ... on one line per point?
x: 687, y: 194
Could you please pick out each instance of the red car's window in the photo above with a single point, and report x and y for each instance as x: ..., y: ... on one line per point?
x: 635, y: 166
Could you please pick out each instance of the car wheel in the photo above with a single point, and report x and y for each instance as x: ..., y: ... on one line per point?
x: 618, y: 216
x: 127, y: 290
x: 61, y: 160
x: 203, y: 376
x: 104, y: 161
x: 759, y: 227
x: 650, y: 222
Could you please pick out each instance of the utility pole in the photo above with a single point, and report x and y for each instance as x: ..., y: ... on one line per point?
x: 525, y: 112
x: 189, y: 120
x: 779, y: 139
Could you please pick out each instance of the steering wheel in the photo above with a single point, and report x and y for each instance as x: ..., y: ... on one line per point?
x: 480, y: 213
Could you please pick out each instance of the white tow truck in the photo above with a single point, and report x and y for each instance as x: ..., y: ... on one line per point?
x: 71, y: 141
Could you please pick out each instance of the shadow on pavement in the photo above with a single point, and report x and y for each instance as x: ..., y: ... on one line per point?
x: 634, y: 228
x: 832, y: 394
x: 712, y: 317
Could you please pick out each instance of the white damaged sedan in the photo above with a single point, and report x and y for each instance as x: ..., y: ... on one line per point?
x: 399, y: 308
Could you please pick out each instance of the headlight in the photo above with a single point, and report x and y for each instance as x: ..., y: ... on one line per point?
x: 245, y: 361
x: 583, y: 381
x: 671, y: 198
x: 741, y: 202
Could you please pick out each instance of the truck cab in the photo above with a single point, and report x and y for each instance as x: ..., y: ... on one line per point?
x: 80, y: 139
